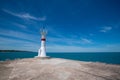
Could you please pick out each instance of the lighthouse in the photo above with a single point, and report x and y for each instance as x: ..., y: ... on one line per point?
x: 42, y: 49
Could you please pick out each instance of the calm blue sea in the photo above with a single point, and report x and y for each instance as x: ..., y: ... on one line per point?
x: 106, y: 57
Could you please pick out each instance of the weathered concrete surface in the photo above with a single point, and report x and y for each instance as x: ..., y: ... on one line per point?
x: 57, y: 69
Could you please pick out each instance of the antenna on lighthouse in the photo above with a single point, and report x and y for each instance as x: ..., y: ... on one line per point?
x: 42, y: 49
x: 43, y: 31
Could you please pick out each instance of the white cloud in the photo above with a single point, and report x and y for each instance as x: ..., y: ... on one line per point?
x: 106, y: 29
x: 62, y: 48
x: 26, y: 16
x: 59, y: 37
x: 69, y: 41
x: 9, y: 43
x: 86, y: 41
x: 20, y: 25
x: 17, y: 34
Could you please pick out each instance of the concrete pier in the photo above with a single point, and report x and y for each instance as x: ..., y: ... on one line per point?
x: 57, y: 69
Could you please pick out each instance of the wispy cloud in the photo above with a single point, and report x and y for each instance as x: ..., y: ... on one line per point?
x: 59, y: 37
x: 19, y: 35
x: 69, y: 41
x: 106, y: 29
x: 86, y: 41
x: 61, y: 48
x: 9, y: 43
x: 26, y: 16
x: 20, y: 25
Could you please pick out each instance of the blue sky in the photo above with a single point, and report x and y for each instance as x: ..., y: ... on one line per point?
x: 73, y: 25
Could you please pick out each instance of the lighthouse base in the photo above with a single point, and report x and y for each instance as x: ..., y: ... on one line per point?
x: 45, y: 57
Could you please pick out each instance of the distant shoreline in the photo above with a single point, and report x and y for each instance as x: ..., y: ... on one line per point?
x: 52, y: 52
x: 13, y: 51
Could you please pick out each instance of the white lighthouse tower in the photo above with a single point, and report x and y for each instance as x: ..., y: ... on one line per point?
x: 42, y: 49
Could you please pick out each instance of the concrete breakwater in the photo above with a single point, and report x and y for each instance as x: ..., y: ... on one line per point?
x: 57, y: 69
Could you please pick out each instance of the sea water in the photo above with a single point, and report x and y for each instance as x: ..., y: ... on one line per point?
x: 105, y: 57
